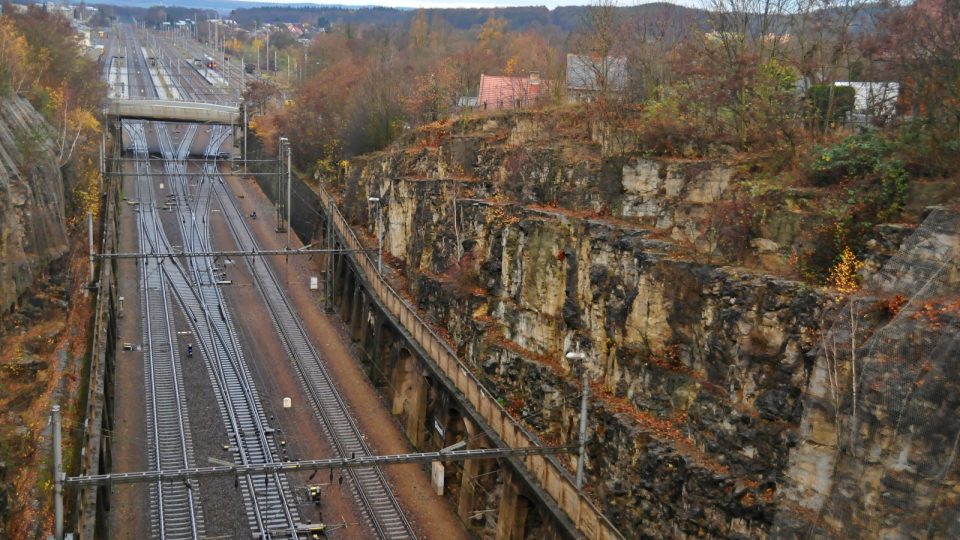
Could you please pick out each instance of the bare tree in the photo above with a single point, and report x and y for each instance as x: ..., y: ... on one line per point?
x: 824, y: 41
x: 922, y: 48
x: 746, y: 36
x: 655, y: 31
x: 599, y: 43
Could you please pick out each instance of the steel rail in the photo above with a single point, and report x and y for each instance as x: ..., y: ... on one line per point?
x: 249, y: 400
x: 261, y: 525
x: 228, y: 399
x: 342, y: 431
x: 221, y: 385
x: 168, y: 500
x: 153, y: 284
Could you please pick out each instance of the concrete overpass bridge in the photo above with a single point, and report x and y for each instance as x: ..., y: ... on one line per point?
x: 174, y: 111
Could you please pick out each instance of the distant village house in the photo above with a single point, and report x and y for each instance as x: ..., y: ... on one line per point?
x: 498, y: 93
x: 588, y: 76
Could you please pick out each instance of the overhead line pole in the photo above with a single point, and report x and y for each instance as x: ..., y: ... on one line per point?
x: 289, y: 175
x: 58, y: 476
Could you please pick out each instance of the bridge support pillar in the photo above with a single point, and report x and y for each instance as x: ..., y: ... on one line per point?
x: 336, y: 281
x: 410, y: 396
x: 512, y: 515
x: 472, y: 470
x: 346, y: 294
x: 356, y: 310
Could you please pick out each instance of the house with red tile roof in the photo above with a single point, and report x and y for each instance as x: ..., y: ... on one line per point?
x: 498, y: 92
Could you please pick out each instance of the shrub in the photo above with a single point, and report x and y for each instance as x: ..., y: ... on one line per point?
x: 856, y: 156
x: 671, y: 126
x: 928, y: 147
x: 844, y: 275
x: 866, y: 156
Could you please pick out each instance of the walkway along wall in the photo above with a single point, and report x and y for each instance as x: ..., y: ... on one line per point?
x: 88, y: 518
x: 357, y: 288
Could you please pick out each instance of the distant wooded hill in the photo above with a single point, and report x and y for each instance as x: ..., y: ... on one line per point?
x: 518, y: 18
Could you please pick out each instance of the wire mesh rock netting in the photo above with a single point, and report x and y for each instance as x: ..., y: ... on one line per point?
x: 881, y: 423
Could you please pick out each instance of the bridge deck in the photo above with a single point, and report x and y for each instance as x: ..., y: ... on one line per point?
x: 174, y: 111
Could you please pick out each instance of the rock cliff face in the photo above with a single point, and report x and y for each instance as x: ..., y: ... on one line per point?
x: 881, y: 428
x: 32, y: 223
x: 522, y: 247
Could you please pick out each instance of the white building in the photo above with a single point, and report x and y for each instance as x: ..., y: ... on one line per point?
x: 874, y: 100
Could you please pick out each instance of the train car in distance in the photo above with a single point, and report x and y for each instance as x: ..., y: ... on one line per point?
x: 211, y: 63
x: 249, y: 68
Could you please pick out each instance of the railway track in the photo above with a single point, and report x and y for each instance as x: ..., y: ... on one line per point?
x: 368, y: 486
x: 175, y: 510
x: 380, y: 507
x: 269, y: 500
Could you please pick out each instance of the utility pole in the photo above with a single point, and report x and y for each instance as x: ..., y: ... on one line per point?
x: 90, y: 244
x: 289, y: 175
x: 583, y: 428
x: 581, y: 357
x: 244, y: 136
x: 328, y: 282
x: 281, y: 144
x: 57, y: 476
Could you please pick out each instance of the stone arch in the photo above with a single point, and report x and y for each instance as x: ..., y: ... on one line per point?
x: 409, y: 395
x: 535, y: 525
x: 346, y: 295
x: 514, y: 507
x: 358, y: 306
x: 436, y: 404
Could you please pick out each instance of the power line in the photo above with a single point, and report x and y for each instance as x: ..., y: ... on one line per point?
x: 308, y: 465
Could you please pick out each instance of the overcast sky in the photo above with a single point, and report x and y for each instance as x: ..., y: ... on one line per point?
x: 472, y: 3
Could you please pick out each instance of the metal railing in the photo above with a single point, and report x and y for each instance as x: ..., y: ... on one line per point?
x: 555, y: 480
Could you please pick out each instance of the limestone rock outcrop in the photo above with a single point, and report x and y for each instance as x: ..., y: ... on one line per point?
x: 700, y: 352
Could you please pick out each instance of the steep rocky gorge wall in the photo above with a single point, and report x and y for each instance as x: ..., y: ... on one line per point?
x: 699, y: 368
x: 522, y: 246
x: 881, y: 426
x: 32, y: 223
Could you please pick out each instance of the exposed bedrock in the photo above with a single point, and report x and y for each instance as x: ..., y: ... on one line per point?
x: 32, y: 223
x: 700, y: 352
